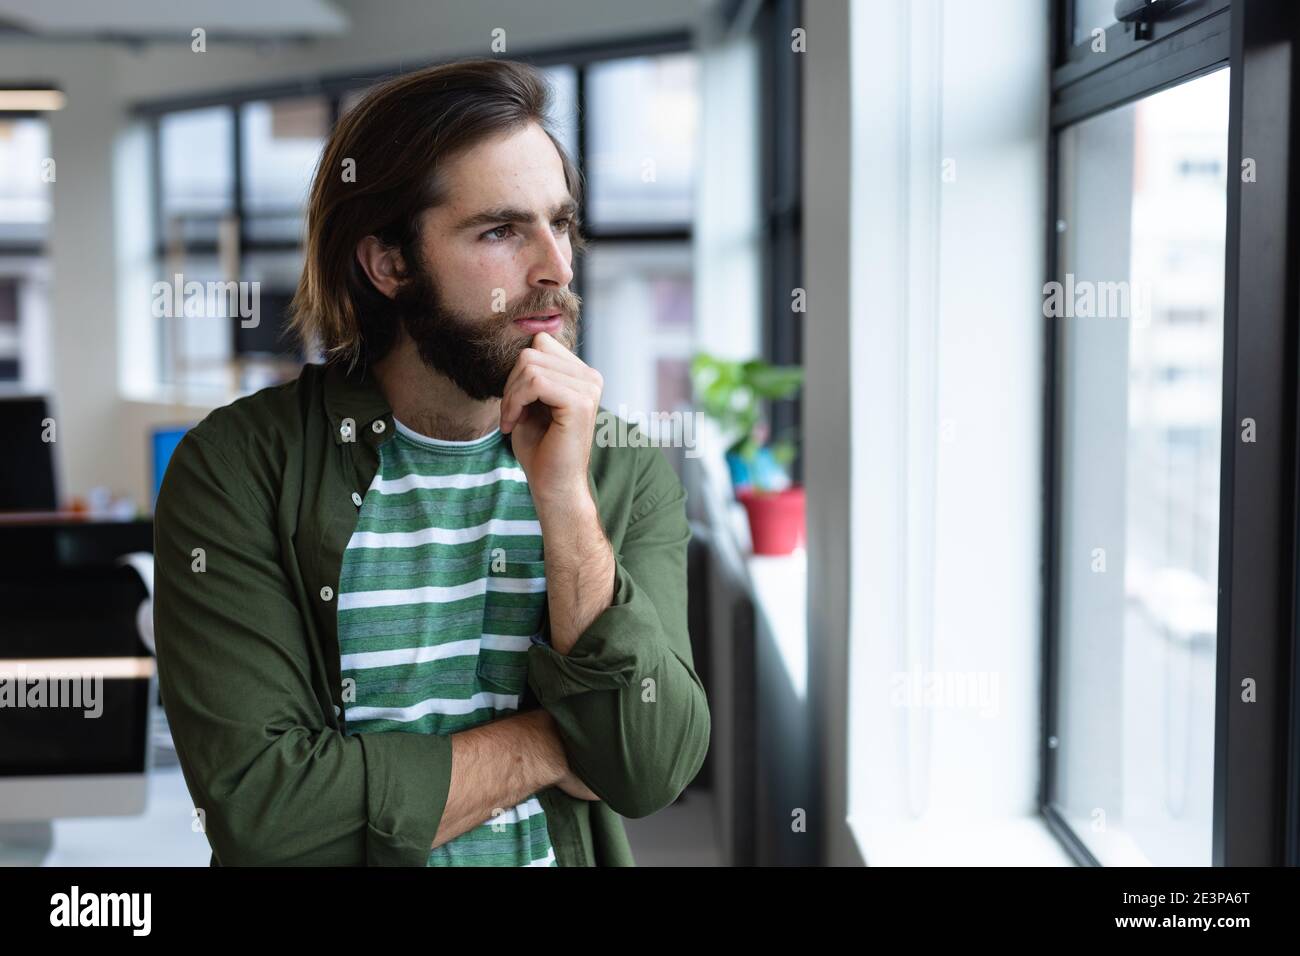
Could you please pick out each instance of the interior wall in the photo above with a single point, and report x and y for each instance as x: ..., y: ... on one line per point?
x: 827, y: 426
x: 923, y: 231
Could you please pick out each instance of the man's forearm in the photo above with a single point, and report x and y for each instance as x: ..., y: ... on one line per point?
x: 497, y: 766
x: 579, y: 567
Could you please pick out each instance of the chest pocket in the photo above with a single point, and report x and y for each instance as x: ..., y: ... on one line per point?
x: 510, y: 619
x: 502, y: 673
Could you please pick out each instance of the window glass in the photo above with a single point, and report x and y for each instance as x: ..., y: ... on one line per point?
x: 1140, y: 310
x: 24, y: 181
x: 198, y: 176
x: 640, y: 293
x: 282, y: 142
x: 643, y: 113
x: 564, y: 106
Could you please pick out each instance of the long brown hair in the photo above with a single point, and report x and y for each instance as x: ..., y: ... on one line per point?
x: 397, y: 137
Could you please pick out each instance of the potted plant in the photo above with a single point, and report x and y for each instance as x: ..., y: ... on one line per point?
x: 730, y: 392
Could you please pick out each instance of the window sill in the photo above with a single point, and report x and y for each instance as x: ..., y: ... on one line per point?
x: 952, y: 841
x: 778, y: 584
x: 780, y: 588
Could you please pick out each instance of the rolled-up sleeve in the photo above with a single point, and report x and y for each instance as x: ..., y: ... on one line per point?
x: 630, y: 708
x: 274, y: 784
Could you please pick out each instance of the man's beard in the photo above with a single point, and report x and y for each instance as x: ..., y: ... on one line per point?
x: 477, y: 354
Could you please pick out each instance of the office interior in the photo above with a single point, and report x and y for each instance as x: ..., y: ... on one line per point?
x: 1030, y: 599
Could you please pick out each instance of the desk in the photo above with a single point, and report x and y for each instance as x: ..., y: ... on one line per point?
x: 161, y: 836
x: 32, y: 541
x: 60, y: 517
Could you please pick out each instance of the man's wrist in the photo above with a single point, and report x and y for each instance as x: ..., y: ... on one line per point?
x: 580, y: 569
x: 552, y: 765
x: 565, y: 505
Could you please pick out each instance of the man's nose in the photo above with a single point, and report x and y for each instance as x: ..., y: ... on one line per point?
x: 552, y: 265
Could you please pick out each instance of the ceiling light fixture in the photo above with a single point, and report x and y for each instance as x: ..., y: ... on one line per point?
x: 30, y: 100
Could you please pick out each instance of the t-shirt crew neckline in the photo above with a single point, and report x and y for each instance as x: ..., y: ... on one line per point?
x: 450, y: 447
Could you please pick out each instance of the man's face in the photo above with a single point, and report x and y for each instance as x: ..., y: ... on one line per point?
x: 497, y: 250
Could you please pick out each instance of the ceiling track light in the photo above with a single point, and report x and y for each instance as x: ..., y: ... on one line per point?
x: 31, y: 99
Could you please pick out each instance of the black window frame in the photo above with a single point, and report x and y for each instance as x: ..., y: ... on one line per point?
x: 1256, y: 782
x: 781, y: 175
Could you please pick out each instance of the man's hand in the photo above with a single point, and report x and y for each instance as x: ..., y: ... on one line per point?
x: 549, y: 409
x: 551, y: 400
x: 500, y: 764
x: 575, y: 788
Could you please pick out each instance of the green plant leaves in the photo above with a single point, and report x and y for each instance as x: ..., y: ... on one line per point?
x: 731, y: 393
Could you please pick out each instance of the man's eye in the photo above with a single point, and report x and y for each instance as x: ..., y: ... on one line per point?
x: 492, y: 234
x: 562, y: 222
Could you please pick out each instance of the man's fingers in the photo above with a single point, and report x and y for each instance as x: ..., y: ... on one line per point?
x: 547, y: 342
x: 581, y: 379
x: 539, y: 384
x: 562, y: 360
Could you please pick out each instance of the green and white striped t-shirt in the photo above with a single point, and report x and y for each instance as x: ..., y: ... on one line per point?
x: 442, y: 589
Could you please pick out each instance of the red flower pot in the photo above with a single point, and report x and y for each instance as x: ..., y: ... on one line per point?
x: 777, y: 522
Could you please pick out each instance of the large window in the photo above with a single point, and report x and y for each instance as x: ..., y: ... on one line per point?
x: 232, y: 183
x: 1143, y: 196
x: 1171, y: 467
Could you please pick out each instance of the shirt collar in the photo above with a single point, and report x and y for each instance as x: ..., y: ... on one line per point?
x: 354, y: 402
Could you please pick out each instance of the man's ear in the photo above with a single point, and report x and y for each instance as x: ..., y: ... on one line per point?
x: 382, y: 264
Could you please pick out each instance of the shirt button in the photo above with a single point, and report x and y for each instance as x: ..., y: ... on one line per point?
x: 378, y: 426
x: 346, y: 432
x: 337, y: 710
x: 356, y: 499
x: 326, y: 593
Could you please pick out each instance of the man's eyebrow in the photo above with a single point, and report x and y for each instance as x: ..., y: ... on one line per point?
x: 503, y: 214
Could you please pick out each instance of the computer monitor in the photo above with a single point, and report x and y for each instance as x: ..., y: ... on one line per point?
x: 27, y: 466
x: 164, y: 442
x: 271, y: 337
x: 77, y: 745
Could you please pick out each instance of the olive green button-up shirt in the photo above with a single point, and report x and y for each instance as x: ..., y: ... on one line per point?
x: 258, y: 503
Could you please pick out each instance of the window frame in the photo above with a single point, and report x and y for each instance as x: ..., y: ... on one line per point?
x: 1256, y: 782
x: 782, y: 185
